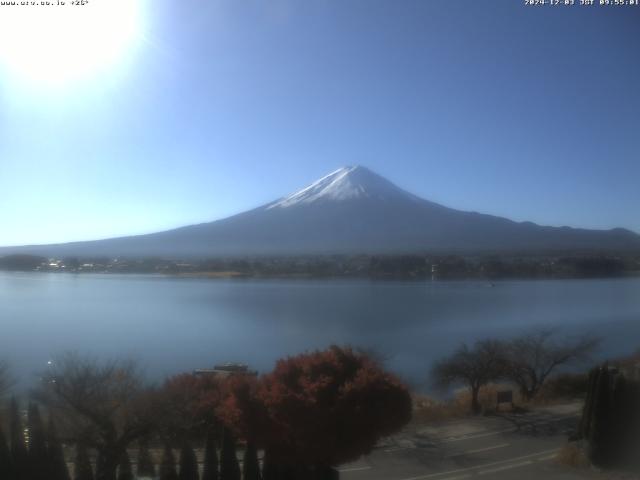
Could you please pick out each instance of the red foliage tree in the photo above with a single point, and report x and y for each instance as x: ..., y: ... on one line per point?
x: 321, y: 409
x: 242, y: 409
x: 312, y: 412
x: 190, y: 403
x: 244, y: 413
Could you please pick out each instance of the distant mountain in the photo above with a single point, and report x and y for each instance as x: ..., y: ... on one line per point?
x: 351, y: 210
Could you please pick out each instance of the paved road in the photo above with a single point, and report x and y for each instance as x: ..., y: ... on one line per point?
x: 503, y: 447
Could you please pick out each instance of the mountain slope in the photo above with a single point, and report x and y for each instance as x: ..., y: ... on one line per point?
x: 351, y: 210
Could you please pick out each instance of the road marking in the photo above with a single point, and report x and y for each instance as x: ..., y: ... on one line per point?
x: 479, y: 435
x: 548, y: 420
x: 478, y: 450
x: 354, y: 469
x: 539, y: 422
x: 548, y: 457
x: 506, y: 467
x: 483, y: 466
x: 471, y: 436
x: 453, y: 439
x: 399, y: 449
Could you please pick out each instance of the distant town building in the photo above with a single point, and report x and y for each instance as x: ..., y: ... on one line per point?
x: 226, y: 370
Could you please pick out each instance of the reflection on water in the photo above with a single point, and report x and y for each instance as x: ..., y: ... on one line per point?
x: 179, y: 324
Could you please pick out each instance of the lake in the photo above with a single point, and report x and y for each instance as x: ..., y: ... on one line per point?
x: 178, y: 324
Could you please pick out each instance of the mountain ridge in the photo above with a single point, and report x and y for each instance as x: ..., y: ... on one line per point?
x: 350, y: 210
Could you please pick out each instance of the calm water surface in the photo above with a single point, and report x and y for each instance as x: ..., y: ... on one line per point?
x: 174, y: 325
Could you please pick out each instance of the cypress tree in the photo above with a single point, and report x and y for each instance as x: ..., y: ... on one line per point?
x: 146, y: 468
x: 210, y: 471
x: 634, y: 423
x: 188, y: 463
x: 619, y: 437
x: 124, y: 468
x: 229, y: 467
x: 611, y: 419
x: 168, y: 465
x: 291, y: 473
x: 269, y: 469
x: 19, y: 454
x: 599, y: 429
x: 83, y: 470
x: 37, y: 453
x: 5, y: 458
x: 57, y: 464
x: 250, y: 464
x: 100, y: 467
x: 587, y: 410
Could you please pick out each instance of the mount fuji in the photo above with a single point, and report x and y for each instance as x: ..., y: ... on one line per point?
x: 351, y: 210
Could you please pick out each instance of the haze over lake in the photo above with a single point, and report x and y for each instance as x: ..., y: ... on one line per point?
x: 178, y: 324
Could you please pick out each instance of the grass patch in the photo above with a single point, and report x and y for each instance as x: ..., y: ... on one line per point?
x: 429, y: 409
x: 558, y: 389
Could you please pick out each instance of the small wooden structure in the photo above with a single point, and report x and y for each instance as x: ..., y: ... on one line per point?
x: 504, y: 396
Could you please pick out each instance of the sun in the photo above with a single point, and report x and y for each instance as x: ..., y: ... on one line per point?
x: 57, y: 42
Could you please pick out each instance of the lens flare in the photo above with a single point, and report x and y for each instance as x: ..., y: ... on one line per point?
x: 61, y: 41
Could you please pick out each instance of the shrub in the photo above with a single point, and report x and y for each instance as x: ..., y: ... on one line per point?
x: 330, y: 407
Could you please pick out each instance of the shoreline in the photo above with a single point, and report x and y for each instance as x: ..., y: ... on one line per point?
x: 230, y: 274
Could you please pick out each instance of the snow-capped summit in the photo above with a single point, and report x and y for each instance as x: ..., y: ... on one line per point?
x: 346, y: 183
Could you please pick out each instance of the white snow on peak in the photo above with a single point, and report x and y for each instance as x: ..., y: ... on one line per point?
x: 346, y: 183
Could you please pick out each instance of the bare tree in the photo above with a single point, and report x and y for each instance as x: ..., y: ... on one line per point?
x: 533, y: 357
x: 473, y: 367
x: 103, y: 405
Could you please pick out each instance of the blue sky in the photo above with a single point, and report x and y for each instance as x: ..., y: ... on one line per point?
x: 220, y: 106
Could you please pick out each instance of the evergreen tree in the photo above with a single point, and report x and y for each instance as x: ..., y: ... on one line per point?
x: 168, y: 465
x: 599, y: 447
x: 124, y: 468
x: 83, y: 470
x: 210, y: 471
x: 619, y: 437
x: 634, y: 424
x: 100, y: 467
x: 587, y: 410
x: 611, y: 419
x: 57, y: 464
x: 37, y: 454
x: 229, y: 467
x: 5, y: 458
x: 269, y: 468
x: 188, y: 463
x: 146, y: 468
x: 250, y: 464
x: 19, y: 454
